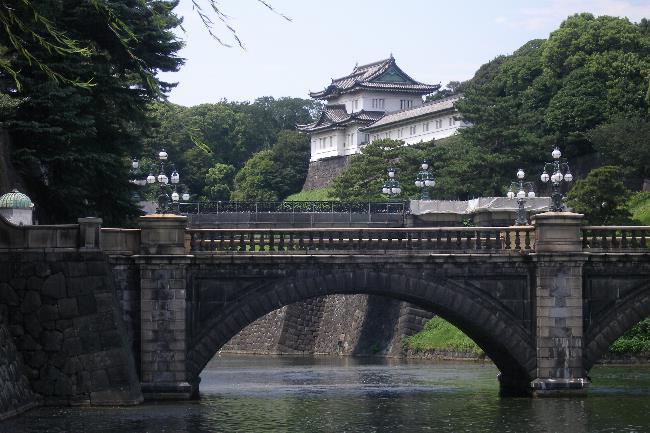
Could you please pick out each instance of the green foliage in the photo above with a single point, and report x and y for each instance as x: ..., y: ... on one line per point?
x: 365, y: 176
x: 275, y: 173
x: 219, y: 182
x: 198, y: 138
x: 601, y: 197
x: 639, y: 207
x: 440, y: 334
x: 321, y: 194
x: 624, y: 141
x: 636, y: 340
x: 71, y: 143
x: 258, y: 180
x: 590, y: 71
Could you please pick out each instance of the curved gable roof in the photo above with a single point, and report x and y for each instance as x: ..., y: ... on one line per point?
x: 383, y: 75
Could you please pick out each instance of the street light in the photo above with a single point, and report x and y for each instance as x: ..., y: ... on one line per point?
x: 424, y: 180
x: 391, y: 186
x: 165, y: 199
x: 560, y: 172
x: 521, y: 190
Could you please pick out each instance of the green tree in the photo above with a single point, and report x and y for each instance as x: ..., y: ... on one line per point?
x: 219, y: 182
x: 590, y: 71
x: 601, y: 197
x: 70, y: 143
x: 274, y: 174
x: 625, y: 142
x: 259, y: 179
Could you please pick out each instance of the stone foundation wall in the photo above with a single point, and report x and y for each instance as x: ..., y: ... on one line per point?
x: 333, y: 325
x: 16, y: 394
x: 321, y: 173
x: 64, y: 317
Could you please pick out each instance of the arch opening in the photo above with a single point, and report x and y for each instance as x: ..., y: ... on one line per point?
x: 483, y: 319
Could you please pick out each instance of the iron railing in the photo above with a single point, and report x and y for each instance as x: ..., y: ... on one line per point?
x: 375, y: 240
x: 615, y: 238
x: 217, y: 207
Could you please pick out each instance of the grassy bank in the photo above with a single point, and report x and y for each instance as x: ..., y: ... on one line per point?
x: 322, y: 194
x: 440, y: 334
x: 639, y: 206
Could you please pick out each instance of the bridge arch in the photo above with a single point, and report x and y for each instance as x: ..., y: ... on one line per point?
x: 606, y: 329
x: 483, y: 318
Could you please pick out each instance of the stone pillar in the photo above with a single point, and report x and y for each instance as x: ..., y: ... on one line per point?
x: 90, y: 233
x: 163, y: 311
x: 559, y: 305
x: 162, y: 234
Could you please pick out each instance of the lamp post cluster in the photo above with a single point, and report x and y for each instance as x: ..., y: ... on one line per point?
x: 424, y: 180
x: 560, y: 172
x: 165, y: 199
x: 523, y: 190
x: 391, y: 186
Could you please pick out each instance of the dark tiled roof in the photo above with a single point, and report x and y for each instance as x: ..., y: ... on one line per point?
x: 336, y: 115
x: 364, y: 77
x: 411, y: 113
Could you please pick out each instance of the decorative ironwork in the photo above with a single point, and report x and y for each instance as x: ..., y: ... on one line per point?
x: 217, y: 207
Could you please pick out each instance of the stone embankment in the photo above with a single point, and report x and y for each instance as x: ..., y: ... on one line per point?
x: 16, y: 395
x: 63, y: 316
x: 333, y: 325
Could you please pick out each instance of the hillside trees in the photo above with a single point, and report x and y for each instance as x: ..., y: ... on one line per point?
x: 70, y: 141
x: 590, y: 72
x: 275, y: 173
x: 209, y: 136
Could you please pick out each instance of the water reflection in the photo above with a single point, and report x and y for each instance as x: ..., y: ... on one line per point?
x: 255, y: 394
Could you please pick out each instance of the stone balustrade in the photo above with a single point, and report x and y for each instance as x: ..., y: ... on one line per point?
x: 376, y: 240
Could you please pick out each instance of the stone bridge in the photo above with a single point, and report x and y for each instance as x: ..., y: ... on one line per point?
x: 543, y: 301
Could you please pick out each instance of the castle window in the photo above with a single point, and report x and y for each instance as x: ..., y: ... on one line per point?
x: 451, y: 121
x: 405, y: 103
x: 367, y: 138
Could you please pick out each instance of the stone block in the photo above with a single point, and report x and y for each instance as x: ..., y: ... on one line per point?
x: 48, y: 313
x: 73, y: 346
x: 68, y: 308
x: 86, y: 305
x: 8, y: 295
x: 31, y: 302
x: 54, y: 286
x: 52, y: 341
x: 99, y: 380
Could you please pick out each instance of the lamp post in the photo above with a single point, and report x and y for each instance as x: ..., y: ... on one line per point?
x: 424, y: 180
x: 391, y: 186
x: 523, y: 190
x: 166, y: 201
x: 560, y: 172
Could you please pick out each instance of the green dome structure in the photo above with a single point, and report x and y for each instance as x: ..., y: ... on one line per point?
x: 15, y: 200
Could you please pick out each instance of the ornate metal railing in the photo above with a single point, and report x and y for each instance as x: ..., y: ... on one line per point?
x: 217, y: 207
x: 616, y: 238
x: 377, y: 240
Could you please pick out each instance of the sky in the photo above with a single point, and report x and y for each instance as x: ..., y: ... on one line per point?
x: 433, y: 41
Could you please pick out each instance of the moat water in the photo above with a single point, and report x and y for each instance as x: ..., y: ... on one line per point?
x: 297, y: 394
